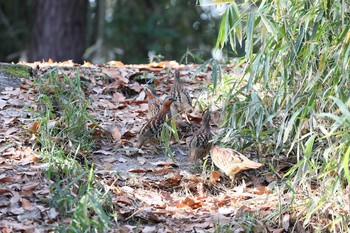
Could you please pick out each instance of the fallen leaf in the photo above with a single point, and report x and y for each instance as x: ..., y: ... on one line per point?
x: 116, y: 134
x: 128, y: 134
x: 122, y: 160
x: 173, y: 180
x: 149, y: 229
x: 161, y: 171
x: 104, y: 152
x: 141, y: 160
x: 136, y: 87
x: 10, y: 131
x: 2, y: 103
x: 7, y: 179
x: 138, y: 170
x: 29, y: 186
x: 165, y: 164
x: 190, y: 203
x: 117, y: 97
x: 27, y: 205
x: 52, y: 213
x: 107, y: 166
x: 141, y: 96
x: 285, y: 222
x: 215, y: 177
x: 116, y: 63
x: 116, y: 85
x: 280, y: 230
x: 124, y: 199
x: 200, y: 189
x: 262, y: 190
x: 13, y: 226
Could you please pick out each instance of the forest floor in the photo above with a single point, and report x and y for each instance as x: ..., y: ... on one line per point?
x: 150, y: 192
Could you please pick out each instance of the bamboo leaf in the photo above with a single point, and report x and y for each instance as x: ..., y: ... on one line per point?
x: 249, y: 41
x: 221, y: 40
x: 343, y: 108
x: 346, y: 164
x: 290, y: 124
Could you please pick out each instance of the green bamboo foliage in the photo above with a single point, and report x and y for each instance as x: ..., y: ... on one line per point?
x: 294, y: 96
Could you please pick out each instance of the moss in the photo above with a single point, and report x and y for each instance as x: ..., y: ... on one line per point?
x: 19, y: 71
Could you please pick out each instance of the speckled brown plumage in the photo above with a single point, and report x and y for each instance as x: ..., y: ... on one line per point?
x: 199, y: 145
x: 154, y: 103
x: 150, y: 132
x: 183, y: 101
x: 231, y: 162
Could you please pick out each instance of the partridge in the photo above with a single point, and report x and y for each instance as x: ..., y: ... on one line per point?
x: 231, y: 162
x: 151, y: 131
x: 199, y: 144
x: 154, y: 103
x: 183, y: 100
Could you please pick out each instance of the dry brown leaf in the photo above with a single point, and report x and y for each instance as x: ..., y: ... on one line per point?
x: 189, y: 202
x: 215, y: 177
x: 134, y: 102
x: 136, y: 87
x: 116, y: 134
x: 7, y: 179
x: 115, y: 85
x: 262, y: 190
x: 124, y: 199
x: 270, y: 177
x: 30, y: 186
x: 27, y: 205
x: 162, y: 171
x: 164, y: 164
x: 280, y: 230
x: 128, y: 134
x: 15, y: 196
x: 117, y: 97
x: 116, y: 63
x: 115, y: 74
x: 173, y: 180
x: 138, y: 170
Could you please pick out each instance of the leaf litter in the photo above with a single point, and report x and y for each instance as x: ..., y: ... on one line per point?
x: 161, y: 194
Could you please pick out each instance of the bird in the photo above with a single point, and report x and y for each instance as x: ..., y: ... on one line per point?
x: 151, y: 131
x: 183, y: 101
x: 231, y: 162
x: 199, y: 144
x: 154, y: 103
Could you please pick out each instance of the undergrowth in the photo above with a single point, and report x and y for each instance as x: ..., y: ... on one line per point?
x: 65, y: 142
x: 293, y: 99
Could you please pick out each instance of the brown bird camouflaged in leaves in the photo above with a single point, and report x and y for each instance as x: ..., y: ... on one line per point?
x: 154, y: 103
x: 150, y: 132
x: 183, y: 101
x: 199, y: 145
x: 231, y: 162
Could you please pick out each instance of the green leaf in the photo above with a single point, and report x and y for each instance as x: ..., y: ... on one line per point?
x: 346, y: 164
x: 221, y: 40
x: 249, y: 41
x: 291, y: 124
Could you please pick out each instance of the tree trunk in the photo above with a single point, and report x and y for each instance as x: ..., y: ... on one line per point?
x: 59, y: 30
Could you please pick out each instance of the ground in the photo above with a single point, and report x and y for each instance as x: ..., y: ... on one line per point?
x: 151, y: 192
